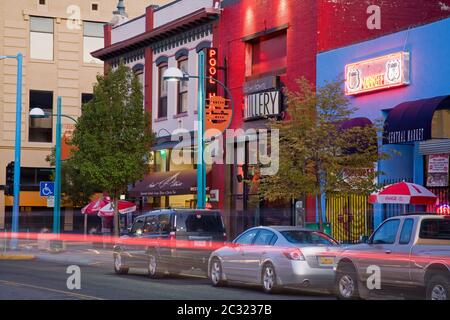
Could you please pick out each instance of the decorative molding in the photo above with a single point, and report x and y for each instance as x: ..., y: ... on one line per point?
x: 165, y: 44
x: 181, y: 53
x: 161, y: 60
x: 202, y: 45
x: 129, y: 57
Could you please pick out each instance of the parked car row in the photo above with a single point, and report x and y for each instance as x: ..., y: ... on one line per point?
x: 406, y: 251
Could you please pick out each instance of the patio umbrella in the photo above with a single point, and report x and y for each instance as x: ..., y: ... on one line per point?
x: 92, y: 208
x: 404, y: 193
x: 107, y: 210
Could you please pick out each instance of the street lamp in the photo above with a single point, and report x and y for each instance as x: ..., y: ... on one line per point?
x: 38, y: 113
x: 175, y: 75
x: 16, y: 203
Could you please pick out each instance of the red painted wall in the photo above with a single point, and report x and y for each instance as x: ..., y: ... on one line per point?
x: 314, y: 26
x: 343, y: 22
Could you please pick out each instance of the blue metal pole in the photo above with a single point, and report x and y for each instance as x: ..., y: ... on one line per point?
x: 57, y: 204
x: 16, y: 203
x: 201, y: 172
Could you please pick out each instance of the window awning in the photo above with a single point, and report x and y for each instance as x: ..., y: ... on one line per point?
x: 412, y: 121
x: 169, y: 183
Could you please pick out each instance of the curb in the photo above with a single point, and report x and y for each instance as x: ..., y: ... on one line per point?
x: 16, y: 257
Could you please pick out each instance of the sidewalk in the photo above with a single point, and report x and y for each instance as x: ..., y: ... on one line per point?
x: 74, y: 253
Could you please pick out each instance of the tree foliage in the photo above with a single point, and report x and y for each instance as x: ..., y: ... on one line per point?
x: 113, y: 136
x: 317, y: 155
x: 74, y: 187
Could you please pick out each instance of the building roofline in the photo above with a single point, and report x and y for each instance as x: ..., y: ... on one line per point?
x: 144, y: 39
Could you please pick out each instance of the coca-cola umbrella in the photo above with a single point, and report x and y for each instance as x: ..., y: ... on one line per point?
x: 93, y: 207
x: 124, y: 207
x: 404, y: 193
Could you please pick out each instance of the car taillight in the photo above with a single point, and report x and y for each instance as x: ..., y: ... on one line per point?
x: 294, y: 254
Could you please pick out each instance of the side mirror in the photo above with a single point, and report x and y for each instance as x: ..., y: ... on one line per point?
x: 364, y: 239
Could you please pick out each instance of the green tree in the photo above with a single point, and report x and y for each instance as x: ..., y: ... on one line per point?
x: 113, y: 136
x: 74, y: 186
x: 318, y: 156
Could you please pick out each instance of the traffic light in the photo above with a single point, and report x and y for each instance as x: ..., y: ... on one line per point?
x: 9, y: 185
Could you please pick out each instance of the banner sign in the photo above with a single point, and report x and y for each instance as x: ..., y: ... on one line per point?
x: 438, y: 170
x: 379, y: 73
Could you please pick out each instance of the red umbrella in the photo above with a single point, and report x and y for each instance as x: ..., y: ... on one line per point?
x: 404, y: 193
x: 124, y: 207
x: 94, y: 206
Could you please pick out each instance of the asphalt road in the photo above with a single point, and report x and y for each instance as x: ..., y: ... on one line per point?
x: 47, y: 280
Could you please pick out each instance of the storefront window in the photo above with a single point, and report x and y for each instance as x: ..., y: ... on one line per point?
x: 267, y: 54
x: 162, y: 103
x: 182, y: 106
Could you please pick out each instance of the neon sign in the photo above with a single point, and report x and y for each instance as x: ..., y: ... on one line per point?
x: 211, y: 72
x: 443, y: 209
x: 381, y: 73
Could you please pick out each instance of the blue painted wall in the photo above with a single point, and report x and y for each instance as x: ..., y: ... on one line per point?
x: 429, y: 48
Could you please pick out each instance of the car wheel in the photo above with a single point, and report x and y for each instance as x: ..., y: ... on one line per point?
x: 216, y: 273
x: 153, y: 267
x: 269, y: 279
x: 346, y: 283
x: 118, y: 264
x: 438, y: 288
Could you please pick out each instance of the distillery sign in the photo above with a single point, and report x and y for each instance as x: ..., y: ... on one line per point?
x: 381, y: 73
x: 262, y: 104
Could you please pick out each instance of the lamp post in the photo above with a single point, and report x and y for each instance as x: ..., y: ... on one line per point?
x: 16, y: 203
x: 39, y: 113
x: 175, y: 75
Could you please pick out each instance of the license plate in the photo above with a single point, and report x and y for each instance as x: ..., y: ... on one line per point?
x: 199, y: 243
x: 326, y: 261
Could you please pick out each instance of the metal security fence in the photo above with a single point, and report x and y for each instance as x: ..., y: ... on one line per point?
x: 350, y: 217
x: 443, y: 194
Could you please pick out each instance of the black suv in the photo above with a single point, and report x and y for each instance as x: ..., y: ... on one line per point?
x: 173, y: 240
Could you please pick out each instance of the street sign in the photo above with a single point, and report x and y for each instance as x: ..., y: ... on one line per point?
x: 46, y: 188
x: 50, y: 202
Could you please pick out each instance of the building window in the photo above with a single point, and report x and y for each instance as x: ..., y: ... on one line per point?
x: 41, y: 38
x: 86, y: 97
x: 92, y: 40
x: 267, y: 54
x: 41, y: 130
x: 42, y: 2
x: 162, y: 103
x: 182, y: 103
x: 94, y: 6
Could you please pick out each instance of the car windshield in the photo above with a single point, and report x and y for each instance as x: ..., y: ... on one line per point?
x: 307, y: 237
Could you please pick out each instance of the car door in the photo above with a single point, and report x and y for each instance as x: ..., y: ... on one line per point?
x: 256, y: 253
x: 381, y: 248
x: 132, y: 251
x: 234, y: 263
x: 399, y: 273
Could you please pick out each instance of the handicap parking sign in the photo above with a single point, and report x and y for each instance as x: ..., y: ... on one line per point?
x: 47, y: 189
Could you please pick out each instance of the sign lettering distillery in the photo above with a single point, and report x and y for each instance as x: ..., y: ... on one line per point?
x: 380, y: 73
x: 262, y: 104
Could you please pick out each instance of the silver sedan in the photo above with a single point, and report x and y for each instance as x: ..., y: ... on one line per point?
x: 276, y: 257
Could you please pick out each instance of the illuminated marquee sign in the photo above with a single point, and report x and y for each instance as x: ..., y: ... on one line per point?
x: 211, y: 71
x: 380, y: 73
x: 218, y: 113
